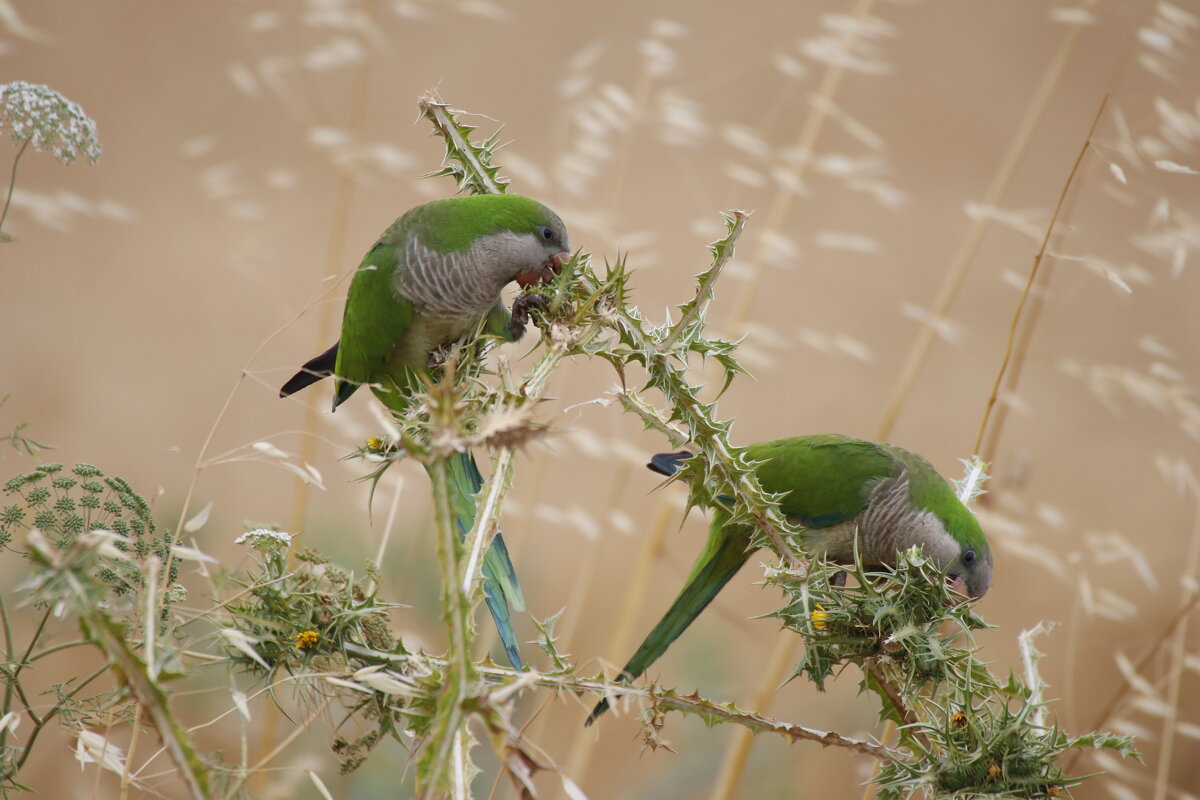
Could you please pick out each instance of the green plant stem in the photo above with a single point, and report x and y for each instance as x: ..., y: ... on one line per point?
x: 57, y: 648
x: 50, y: 715
x: 11, y: 679
x: 8, y: 654
x: 12, y: 184
x: 33, y: 642
x: 443, y: 737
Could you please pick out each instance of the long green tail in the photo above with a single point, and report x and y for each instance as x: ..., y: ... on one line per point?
x: 726, y: 552
x: 500, y: 587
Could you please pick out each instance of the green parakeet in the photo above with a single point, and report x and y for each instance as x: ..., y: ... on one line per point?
x: 430, y: 280
x: 835, y: 487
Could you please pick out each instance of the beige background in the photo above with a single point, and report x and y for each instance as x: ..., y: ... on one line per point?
x: 235, y: 151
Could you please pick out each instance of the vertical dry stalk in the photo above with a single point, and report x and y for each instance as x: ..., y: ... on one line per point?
x: 1029, y: 283
x: 970, y: 245
x: 1178, y: 658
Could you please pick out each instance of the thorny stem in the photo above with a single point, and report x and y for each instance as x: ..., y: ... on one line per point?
x: 441, y: 116
x: 12, y: 184
x: 454, y: 604
x: 970, y: 245
x: 572, y: 684
x: 460, y: 669
x: 704, y: 294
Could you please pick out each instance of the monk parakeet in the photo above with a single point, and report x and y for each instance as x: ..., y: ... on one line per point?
x: 837, y: 488
x: 430, y: 280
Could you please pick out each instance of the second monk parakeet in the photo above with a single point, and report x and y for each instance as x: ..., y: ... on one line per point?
x: 835, y: 487
x: 430, y: 280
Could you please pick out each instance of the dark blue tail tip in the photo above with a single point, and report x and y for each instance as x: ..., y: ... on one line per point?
x: 668, y: 463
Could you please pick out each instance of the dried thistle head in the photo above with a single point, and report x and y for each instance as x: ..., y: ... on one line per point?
x: 509, y: 428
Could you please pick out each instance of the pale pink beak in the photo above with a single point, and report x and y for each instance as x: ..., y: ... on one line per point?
x: 545, y: 273
x: 959, y: 586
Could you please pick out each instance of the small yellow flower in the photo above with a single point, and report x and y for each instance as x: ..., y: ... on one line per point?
x: 820, y: 617
x: 306, y: 640
x: 993, y: 772
x: 375, y: 444
x: 958, y: 720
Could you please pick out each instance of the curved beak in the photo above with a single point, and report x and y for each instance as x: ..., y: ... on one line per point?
x: 546, y: 271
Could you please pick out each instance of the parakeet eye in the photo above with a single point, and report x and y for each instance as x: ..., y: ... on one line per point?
x: 969, y: 557
x: 547, y: 234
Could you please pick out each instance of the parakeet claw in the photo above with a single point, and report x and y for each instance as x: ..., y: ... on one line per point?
x: 520, y: 313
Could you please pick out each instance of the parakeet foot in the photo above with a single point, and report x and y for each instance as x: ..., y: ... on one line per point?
x: 520, y: 313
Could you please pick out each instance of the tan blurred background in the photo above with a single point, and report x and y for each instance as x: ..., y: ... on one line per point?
x: 251, y: 149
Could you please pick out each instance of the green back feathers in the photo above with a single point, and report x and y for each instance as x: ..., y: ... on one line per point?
x: 827, y: 478
x: 375, y: 319
x: 931, y: 492
x: 453, y: 224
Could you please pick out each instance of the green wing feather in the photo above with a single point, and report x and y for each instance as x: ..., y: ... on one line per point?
x: 376, y: 318
x: 826, y: 478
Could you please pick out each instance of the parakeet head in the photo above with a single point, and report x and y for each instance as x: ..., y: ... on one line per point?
x: 509, y: 237
x: 551, y: 235
x: 971, y: 573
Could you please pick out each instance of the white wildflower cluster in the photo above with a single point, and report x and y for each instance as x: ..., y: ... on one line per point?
x: 47, y: 120
x: 266, y: 541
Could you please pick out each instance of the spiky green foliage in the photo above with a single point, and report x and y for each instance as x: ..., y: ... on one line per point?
x: 890, y: 618
x: 295, y: 617
x: 968, y: 733
x: 470, y: 164
x: 887, y: 624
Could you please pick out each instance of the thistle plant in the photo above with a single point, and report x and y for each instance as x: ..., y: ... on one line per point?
x: 297, y: 619
x: 887, y: 624
x: 39, y: 116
